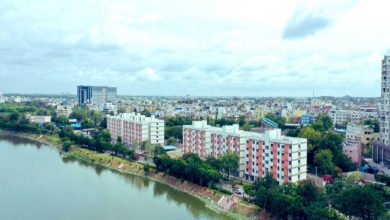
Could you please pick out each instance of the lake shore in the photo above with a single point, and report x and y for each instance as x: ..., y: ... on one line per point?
x: 207, y: 195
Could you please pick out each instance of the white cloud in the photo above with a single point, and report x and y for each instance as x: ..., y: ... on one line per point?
x: 200, y: 47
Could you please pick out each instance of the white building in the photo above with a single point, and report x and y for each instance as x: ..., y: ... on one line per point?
x: 39, y: 119
x: 270, y: 152
x: 362, y: 133
x: 385, y: 102
x: 134, y: 128
x: 342, y: 117
x: 2, y: 98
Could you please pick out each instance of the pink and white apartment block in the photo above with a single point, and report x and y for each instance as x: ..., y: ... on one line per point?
x: 270, y: 152
x: 133, y: 128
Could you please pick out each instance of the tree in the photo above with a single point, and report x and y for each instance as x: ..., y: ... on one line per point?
x: 230, y: 163
x: 323, y: 123
x: 66, y: 145
x: 247, y: 127
x: 79, y: 113
x: 249, y: 189
x: 374, y: 123
x: 88, y: 123
x: 146, y: 145
x: 158, y: 151
x: 313, y: 137
x: 14, y: 116
x: 62, y: 120
x: 171, y: 141
x: 281, y: 121
x: 214, y: 163
x: 147, y: 168
x: 362, y: 202
x: 324, y: 160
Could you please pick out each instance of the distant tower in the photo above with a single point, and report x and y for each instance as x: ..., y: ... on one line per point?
x: 96, y: 95
x: 381, y: 151
x: 385, y: 102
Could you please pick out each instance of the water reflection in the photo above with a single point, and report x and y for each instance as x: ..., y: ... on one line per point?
x: 20, y: 141
x: 194, y: 206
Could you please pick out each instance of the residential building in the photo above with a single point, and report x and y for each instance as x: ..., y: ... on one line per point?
x: 269, y: 152
x: 96, y: 95
x: 39, y: 119
x: 363, y: 133
x: 133, y: 128
x: 307, y: 119
x: 381, y: 151
x: 2, y: 99
x: 353, y: 150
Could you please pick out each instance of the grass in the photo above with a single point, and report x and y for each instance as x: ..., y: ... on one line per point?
x: 104, y: 159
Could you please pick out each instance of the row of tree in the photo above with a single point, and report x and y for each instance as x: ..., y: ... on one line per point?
x: 305, y: 201
x: 191, y: 168
x: 100, y: 142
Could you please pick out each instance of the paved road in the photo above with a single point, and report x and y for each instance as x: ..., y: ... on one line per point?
x: 380, y: 167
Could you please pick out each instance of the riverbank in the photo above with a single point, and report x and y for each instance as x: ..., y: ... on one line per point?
x: 207, y: 195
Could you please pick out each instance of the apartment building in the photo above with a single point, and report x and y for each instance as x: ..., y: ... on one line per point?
x: 270, y: 152
x: 38, y: 119
x: 133, y: 128
x: 342, y: 117
x: 362, y: 133
x: 381, y: 151
x: 96, y: 95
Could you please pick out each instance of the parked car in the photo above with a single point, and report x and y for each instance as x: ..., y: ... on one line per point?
x: 238, y: 191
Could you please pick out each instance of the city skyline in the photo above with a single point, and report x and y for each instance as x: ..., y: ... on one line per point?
x: 216, y: 48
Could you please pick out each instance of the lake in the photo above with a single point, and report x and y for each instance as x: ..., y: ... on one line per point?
x: 37, y: 183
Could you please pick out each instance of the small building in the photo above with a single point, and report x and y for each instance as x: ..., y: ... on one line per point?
x: 364, y: 133
x: 353, y: 150
x: 39, y: 119
x: 169, y: 148
x: 307, y: 119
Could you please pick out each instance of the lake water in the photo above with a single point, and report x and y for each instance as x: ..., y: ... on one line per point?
x: 36, y: 183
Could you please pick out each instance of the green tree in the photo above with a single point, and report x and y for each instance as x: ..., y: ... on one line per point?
x: 62, y: 120
x: 313, y: 137
x: 324, y: 161
x: 66, y: 145
x: 88, y: 123
x: 374, y: 123
x: 281, y: 121
x: 158, y: 151
x: 247, y: 127
x: 323, y: 123
x: 230, y: 163
x: 171, y: 141
x: 146, y: 145
x: 147, y: 168
x: 362, y: 202
x: 14, y: 116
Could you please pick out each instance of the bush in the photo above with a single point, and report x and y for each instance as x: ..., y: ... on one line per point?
x: 147, y: 168
x: 66, y: 145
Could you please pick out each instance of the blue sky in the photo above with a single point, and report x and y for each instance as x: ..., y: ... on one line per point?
x: 202, y: 47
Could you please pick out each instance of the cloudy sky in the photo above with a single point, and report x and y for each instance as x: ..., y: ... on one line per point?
x: 197, y: 47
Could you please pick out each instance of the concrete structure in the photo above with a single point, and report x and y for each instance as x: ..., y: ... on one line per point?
x: 353, y: 150
x: 381, y: 151
x: 96, y: 95
x: 270, y: 152
x: 133, y: 128
x: 2, y: 99
x: 363, y: 133
x: 307, y: 119
x: 39, y: 119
